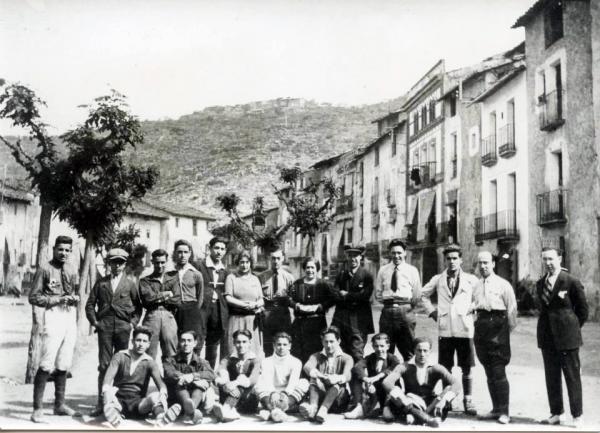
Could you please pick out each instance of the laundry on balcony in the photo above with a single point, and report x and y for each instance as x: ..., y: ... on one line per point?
x: 415, y: 175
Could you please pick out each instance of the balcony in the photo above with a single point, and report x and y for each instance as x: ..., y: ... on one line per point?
x: 392, y: 215
x: 499, y: 225
x: 551, y: 110
x: 344, y: 205
x: 488, y: 151
x: 551, y: 207
x: 506, y: 141
x: 375, y: 203
x: 424, y: 175
x: 446, y: 232
x: 390, y: 198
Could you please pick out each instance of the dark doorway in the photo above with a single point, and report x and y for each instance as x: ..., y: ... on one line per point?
x: 430, y: 263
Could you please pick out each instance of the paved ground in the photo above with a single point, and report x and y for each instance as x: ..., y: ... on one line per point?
x: 528, y: 395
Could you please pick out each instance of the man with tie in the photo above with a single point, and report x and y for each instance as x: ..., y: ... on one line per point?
x: 454, y: 289
x: 352, y: 294
x: 113, y: 309
x: 398, y: 287
x: 214, y: 311
x: 191, y: 286
x: 496, y: 307
x: 275, y: 283
x: 55, y: 288
x: 563, y: 311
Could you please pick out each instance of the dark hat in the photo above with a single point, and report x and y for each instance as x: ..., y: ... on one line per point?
x: 116, y: 254
x: 356, y: 249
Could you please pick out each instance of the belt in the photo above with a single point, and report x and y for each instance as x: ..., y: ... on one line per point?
x: 162, y: 307
x: 491, y: 312
x: 273, y: 303
x: 397, y: 303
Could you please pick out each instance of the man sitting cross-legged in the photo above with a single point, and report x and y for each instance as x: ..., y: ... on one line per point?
x: 367, y: 378
x: 279, y: 387
x: 190, y: 379
x: 329, y: 372
x: 236, y: 376
x: 417, y: 402
x: 125, y: 386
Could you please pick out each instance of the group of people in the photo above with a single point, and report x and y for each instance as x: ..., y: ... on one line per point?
x: 278, y: 355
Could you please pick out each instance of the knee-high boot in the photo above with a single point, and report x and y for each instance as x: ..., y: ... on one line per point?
x: 39, y: 386
x: 60, y: 385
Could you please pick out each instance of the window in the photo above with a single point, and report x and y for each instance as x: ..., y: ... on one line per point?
x: 553, y: 23
x: 394, y: 143
x: 416, y: 122
x: 349, y: 234
x: 424, y: 115
x: 176, y: 222
x: 361, y: 177
x: 148, y: 234
x: 361, y: 221
x: 453, y: 105
x: 194, y: 227
x: 376, y: 156
x: 454, y: 155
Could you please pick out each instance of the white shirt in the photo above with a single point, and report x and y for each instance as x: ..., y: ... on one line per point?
x: 280, y: 373
x: 114, y: 281
x: 551, y: 278
x: 215, y: 268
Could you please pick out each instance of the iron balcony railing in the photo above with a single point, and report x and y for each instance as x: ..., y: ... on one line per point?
x: 446, y: 232
x: 499, y: 225
x: 488, y: 150
x: 551, y: 110
x: 424, y: 174
x: 344, y: 205
x: 506, y: 140
x: 551, y: 207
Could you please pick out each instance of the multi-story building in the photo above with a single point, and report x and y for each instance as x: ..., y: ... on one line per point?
x: 563, y: 151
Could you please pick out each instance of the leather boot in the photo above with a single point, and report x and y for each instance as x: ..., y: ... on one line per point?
x: 99, y: 409
x: 60, y: 384
x: 39, y: 386
x: 467, y: 383
x: 422, y: 417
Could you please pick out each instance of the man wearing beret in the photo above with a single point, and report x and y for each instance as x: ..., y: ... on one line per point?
x: 113, y: 309
x: 352, y: 293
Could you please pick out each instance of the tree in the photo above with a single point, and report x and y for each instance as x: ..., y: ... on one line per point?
x: 96, y: 185
x: 125, y: 238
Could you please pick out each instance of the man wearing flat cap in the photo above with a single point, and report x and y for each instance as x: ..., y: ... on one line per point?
x: 352, y: 292
x: 113, y: 309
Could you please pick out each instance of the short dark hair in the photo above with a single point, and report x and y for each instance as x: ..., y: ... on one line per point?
x: 216, y: 240
x: 558, y: 250
x: 311, y: 259
x: 331, y: 330
x: 192, y: 333
x: 160, y: 253
x: 243, y: 332
x: 397, y: 243
x: 187, y: 244
x: 282, y: 334
x: 142, y: 330
x: 62, y: 239
x: 453, y: 248
x: 380, y: 336
x: 420, y: 340
x: 241, y: 255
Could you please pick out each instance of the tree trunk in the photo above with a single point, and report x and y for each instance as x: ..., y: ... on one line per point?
x: 37, y: 326
x: 86, y: 282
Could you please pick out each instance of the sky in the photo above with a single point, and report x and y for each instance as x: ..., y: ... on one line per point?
x: 174, y: 57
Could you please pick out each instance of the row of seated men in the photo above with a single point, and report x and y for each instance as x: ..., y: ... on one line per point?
x: 278, y: 385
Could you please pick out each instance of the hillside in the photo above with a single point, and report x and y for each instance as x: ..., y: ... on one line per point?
x: 241, y: 148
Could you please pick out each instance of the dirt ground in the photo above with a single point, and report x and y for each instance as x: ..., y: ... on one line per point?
x: 528, y: 394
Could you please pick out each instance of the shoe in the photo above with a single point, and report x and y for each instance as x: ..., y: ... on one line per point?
x: 356, y: 413
x: 578, y: 422
x: 64, y: 410
x: 321, y: 415
x: 188, y: 406
x: 469, y: 407
x: 264, y: 414
x: 410, y: 419
x: 112, y: 415
x: 433, y: 422
x: 96, y: 412
x: 218, y: 412
x: 169, y: 417
x: 278, y: 415
x: 504, y: 419
x: 197, y: 417
x: 387, y: 414
x: 230, y: 414
x: 38, y: 416
x: 551, y: 420
x: 488, y: 416
x: 307, y: 411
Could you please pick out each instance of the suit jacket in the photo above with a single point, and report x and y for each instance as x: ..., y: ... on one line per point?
x: 209, y: 288
x: 559, y: 324
x: 454, y: 318
x: 369, y: 363
x: 124, y: 304
x: 356, y: 303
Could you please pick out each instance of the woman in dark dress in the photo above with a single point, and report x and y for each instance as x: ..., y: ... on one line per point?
x: 310, y: 297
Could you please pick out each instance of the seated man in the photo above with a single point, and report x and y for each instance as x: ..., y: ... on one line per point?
x: 418, y: 402
x: 125, y: 386
x: 236, y: 376
x: 190, y: 379
x: 367, y: 378
x: 329, y: 372
x: 279, y: 387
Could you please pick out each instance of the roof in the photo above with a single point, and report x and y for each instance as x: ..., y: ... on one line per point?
x: 500, y: 83
x: 328, y: 162
x: 182, y: 210
x: 14, y: 193
x: 536, y: 8
x: 139, y: 207
x: 402, y: 101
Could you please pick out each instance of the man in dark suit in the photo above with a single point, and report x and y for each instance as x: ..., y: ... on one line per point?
x: 113, y: 309
x: 352, y: 294
x: 214, y: 310
x: 563, y: 311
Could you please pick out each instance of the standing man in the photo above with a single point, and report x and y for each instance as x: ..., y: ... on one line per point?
x: 496, y: 307
x: 398, y: 287
x: 54, y: 288
x: 191, y: 285
x: 214, y: 312
x: 113, y: 309
x: 563, y: 311
x: 160, y: 296
x: 275, y: 283
x: 352, y: 293
x: 454, y: 289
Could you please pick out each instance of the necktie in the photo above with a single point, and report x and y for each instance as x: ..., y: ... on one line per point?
x: 547, y: 292
x: 64, y: 282
x: 275, y: 285
x: 394, y: 284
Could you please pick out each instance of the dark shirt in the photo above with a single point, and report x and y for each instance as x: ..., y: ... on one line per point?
x: 177, y: 366
x: 235, y: 366
x: 153, y: 291
x: 135, y: 383
x: 311, y: 294
x: 52, y: 280
x: 408, y: 372
x: 123, y: 304
x: 366, y: 367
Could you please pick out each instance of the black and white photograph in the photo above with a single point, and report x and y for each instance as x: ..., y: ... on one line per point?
x: 267, y: 215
